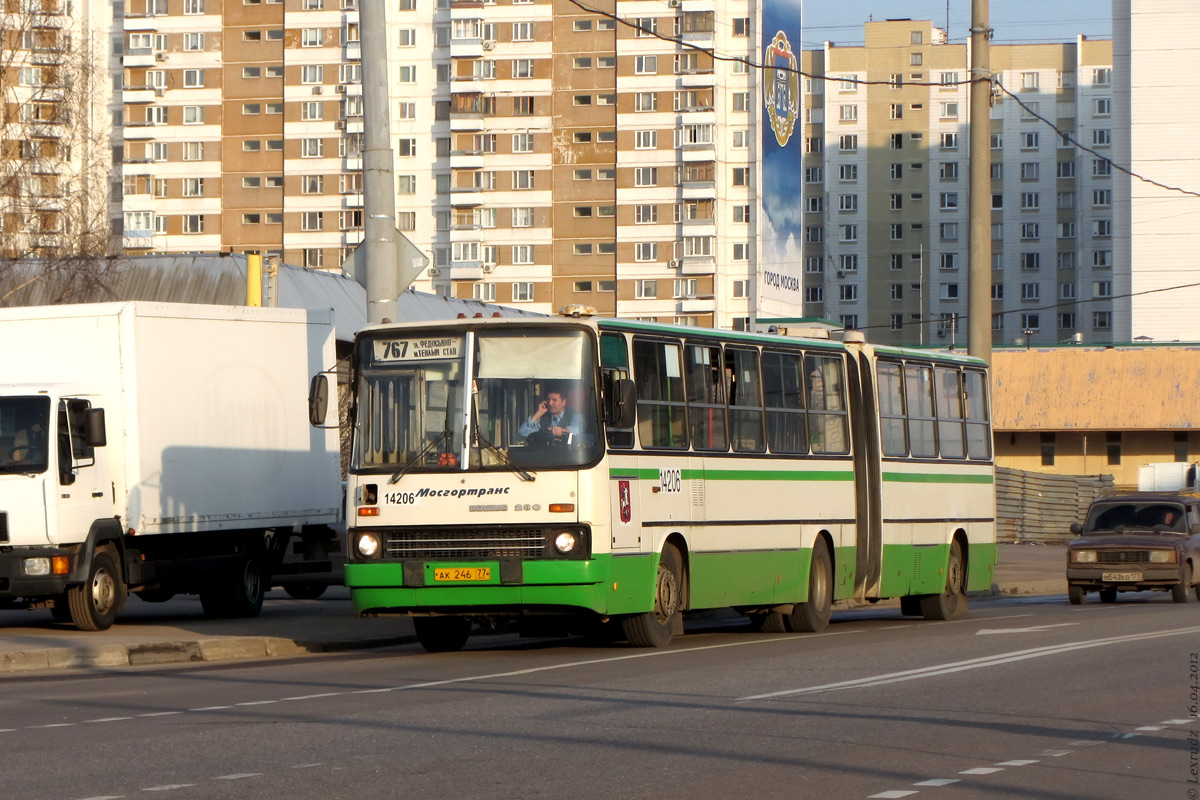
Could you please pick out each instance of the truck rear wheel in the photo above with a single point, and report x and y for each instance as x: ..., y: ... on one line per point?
x: 95, y: 603
x: 238, y: 592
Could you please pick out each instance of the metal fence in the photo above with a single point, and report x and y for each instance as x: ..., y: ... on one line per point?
x: 1040, y: 507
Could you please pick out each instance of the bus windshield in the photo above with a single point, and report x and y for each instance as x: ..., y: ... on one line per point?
x: 24, y: 427
x: 487, y: 400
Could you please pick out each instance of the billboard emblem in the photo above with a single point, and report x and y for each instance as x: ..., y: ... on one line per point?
x: 782, y: 87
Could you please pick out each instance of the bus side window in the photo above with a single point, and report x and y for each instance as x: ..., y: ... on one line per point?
x: 662, y: 409
x: 950, y: 412
x: 979, y: 436
x: 891, y: 410
x: 745, y: 399
x: 787, y: 428
x: 827, y: 411
x: 706, y: 397
x: 614, y: 364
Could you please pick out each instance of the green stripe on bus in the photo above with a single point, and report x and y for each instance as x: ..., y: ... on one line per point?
x: 738, y: 475
x: 935, y: 477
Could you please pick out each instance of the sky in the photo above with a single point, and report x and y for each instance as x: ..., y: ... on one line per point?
x: 841, y: 21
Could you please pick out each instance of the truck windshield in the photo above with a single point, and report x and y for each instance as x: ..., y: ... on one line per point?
x: 496, y: 400
x: 24, y: 426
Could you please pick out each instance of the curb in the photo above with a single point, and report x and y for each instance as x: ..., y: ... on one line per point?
x: 232, y: 648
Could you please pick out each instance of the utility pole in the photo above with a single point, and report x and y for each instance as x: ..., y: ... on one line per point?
x: 379, y: 193
x: 979, y: 277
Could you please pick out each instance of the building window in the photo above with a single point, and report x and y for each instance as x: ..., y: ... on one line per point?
x: 1047, y: 440
x: 1181, y: 446
x: 645, y: 176
x: 522, y: 292
x: 1112, y: 442
x: 193, y: 223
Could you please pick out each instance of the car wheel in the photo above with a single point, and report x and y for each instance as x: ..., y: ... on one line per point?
x: 1076, y: 595
x: 1181, y: 592
x: 1108, y: 595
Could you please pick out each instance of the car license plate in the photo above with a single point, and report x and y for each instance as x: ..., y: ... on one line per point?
x: 462, y: 574
x: 1121, y: 577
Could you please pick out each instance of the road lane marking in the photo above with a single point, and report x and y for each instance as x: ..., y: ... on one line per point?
x: 981, y: 771
x: 258, y: 703
x: 973, y: 663
x: 1175, y: 722
x: 160, y: 713
x: 166, y: 787
x: 210, y: 708
x: 55, y: 725
x: 1151, y: 728
x: 895, y: 793
x: 237, y: 776
x: 315, y: 696
x: 108, y: 719
x: 1020, y: 762
x: 938, y: 782
x: 1032, y: 629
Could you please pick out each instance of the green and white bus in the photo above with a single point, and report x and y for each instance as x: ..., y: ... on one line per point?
x: 691, y: 469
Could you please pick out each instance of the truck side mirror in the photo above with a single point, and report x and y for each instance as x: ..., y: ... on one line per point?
x: 94, y: 433
x: 318, y: 400
x: 1076, y: 528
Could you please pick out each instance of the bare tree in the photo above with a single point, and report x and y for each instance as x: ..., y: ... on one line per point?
x: 55, y: 150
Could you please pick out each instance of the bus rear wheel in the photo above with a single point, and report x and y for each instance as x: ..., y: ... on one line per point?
x: 952, y: 599
x: 655, y: 628
x: 442, y: 634
x: 812, y: 616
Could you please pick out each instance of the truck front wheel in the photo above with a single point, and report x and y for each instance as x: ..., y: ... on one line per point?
x: 94, y: 604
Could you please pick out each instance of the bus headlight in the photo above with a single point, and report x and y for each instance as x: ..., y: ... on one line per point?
x: 368, y: 545
x: 1083, y: 556
x: 565, y: 542
x: 1162, y: 556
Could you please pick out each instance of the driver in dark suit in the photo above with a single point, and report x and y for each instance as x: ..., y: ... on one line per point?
x: 553, y: 417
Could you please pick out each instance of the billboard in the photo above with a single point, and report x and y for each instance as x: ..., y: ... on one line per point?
x: 780, y: 228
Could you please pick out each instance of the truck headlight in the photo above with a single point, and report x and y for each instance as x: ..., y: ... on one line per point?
x: 37, y: 566
x: 368, y: 545
x: 1083, y: 556
x: 1162, y: 556
x: 565, y: 542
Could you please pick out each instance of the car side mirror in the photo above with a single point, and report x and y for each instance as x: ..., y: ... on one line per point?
x: 1195, y: 530
x: 1076, y: 528
x: 318, y: 400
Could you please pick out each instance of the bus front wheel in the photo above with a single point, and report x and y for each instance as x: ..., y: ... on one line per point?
x: 655, y: 628
x: 812, y: 616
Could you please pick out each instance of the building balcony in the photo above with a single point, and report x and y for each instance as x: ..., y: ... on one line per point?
x: 465, y: 159
x: 697, y: 79
x: 466, y: 84
x: 352, y: 201
x: 139, y: 131
x: 697, y: 152
x: 698, y: 304
x: 352, y: 51
x: 136, y: 95
x: 463, y: 271
x: 469, y: 48
x: 697, y: 265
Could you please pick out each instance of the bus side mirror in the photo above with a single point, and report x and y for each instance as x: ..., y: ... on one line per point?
x: 1076, y: 528
x: 318, y: 400
x: 94, y: 434
x: 621, y: 403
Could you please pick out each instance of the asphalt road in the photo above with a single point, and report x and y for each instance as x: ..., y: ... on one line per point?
x: 1028, y: 698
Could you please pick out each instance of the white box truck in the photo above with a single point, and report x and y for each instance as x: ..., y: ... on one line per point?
x: 160, y: 448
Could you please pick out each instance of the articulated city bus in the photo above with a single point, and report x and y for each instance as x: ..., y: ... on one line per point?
x: 625, y: 473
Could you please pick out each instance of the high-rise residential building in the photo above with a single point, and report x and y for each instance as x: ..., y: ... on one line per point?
x: 545, y: 152
x: 1156, y: 47
x: 886, y: 189
x: 55, y: 145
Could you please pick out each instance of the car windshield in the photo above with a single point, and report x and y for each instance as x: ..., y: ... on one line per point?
x: 511, y: 399
x: 24, y: 426
x: 1125, y: 516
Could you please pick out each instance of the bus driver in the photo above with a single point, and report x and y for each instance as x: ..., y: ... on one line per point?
x: 553, y: 417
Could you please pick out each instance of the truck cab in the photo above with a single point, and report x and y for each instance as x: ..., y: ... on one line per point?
x: 54, y: 480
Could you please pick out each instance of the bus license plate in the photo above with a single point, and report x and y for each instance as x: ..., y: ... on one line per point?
x: 463, y: 574
x: 1121, y: 577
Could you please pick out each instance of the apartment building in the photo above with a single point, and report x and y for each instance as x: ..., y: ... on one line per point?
x: 886, y: 195
x: 55, y: 157
x: 546, y: 152
x: 1157, y: 50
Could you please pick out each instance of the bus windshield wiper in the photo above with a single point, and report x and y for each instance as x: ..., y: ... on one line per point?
x: 502, y: 456
x: 436, y: 441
